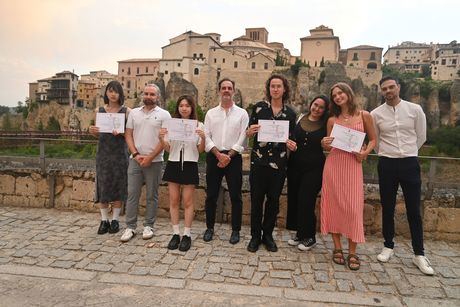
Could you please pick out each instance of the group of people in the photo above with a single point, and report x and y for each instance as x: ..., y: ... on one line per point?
x: 395, y: 130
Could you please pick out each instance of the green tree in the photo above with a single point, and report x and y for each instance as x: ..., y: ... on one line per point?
x: 279, y: 60
x: 4, y: 110
x: 321, y: 64
x: 53, y: 124
x: 426, y: 71
x: 297, y: 65
x: 6, y: 123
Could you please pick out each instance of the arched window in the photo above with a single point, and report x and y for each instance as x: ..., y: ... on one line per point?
x: 196, y: 71
x: 372, y: 65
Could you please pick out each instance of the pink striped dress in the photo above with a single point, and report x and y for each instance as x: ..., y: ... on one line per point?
x: 342, y: 194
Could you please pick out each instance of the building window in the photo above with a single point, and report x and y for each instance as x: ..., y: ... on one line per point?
x: 434, y: 73
x: 201, y: 55
x: 265, y: 65
x: 223, y: 60
x: 196, y: 71
x: 372, y: 56
x: 194, y: 55
x: 166, y: 72
x: 215, y: 60
x: 178, y: 64
x: 137, y: 70
x: 235, y: 64
x: 146, y: 70
x: 122, y: 70
x: 443, y: 62
x: 397, y: 52
x: 128, y: 84
x: 129, y: 70
x: 355, y: 56
x: 253, y: 65
x: 454, y: 61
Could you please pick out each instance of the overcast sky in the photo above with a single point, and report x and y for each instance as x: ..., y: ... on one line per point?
x: 41, y: 37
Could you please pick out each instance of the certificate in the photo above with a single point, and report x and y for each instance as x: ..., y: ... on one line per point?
x: 182, y: 129
x: 108, y: 122
x: 347, y: 139
x: 276, y: 131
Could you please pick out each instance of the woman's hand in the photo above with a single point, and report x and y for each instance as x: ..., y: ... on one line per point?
x: 200, y: 134
x: 326, y: 142
x: 291, y: 145
x: 253, y: 129
x: 93, y: 130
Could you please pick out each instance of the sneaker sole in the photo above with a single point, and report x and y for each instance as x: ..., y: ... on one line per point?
x: 306, y: 248
x: 147, y: 237
x: 293, y: 243
x: 126, y: 240
x: 385, y: 260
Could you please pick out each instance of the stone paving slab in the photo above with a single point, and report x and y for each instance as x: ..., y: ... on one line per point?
x: 63, y: 245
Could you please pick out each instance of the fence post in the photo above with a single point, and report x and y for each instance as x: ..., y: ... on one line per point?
x: 42, y: 156
x: 431, y: 179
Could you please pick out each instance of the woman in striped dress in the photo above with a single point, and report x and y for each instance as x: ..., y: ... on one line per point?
x: 342, y: 194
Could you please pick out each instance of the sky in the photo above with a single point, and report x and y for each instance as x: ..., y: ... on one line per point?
x: 39, y: 38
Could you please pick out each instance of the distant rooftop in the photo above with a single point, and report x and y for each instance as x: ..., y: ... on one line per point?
x: 140, y: 60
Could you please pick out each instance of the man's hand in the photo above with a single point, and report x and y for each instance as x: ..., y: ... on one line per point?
x: 146, y: 160
x: 223, y: 159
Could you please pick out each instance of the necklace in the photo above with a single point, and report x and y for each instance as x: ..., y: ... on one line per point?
x: 346, y: 118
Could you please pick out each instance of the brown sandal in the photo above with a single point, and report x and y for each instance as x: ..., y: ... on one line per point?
x: 353, y: 262
x: 337, y: 257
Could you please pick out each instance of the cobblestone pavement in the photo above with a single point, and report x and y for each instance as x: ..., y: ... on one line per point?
x: 55, y: 258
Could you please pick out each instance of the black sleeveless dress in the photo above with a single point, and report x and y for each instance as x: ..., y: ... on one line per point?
x: 111, y: 166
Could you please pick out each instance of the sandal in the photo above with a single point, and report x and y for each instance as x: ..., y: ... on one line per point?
x: 353, y: 262
x: 337, y: 257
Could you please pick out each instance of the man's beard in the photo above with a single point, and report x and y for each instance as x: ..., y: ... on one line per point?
x: 149, y: 102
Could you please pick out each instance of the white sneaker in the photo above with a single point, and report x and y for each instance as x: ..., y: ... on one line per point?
x: 147, y: 233
x: 127, y: 234
x: 423, y: 264
x: 294, y: 241
x: 385, y: 254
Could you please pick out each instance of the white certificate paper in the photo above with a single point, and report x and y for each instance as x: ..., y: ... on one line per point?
x: 108, y: 122
x: 276, y: 131
x: 182, y: 129
x: 347, y: 139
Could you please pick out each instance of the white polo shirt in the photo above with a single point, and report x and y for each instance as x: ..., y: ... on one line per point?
x: 146, y: 127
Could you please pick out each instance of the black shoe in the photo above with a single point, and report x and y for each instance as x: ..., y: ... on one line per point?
x: 208, y: 235
x: 185, y: 243
x: 103, y: 227
x: 307, y: 244
x: 114, y: 226
x: 269, y: 243
x: 174, y: 242
x: 253, y: 245
x: 235, y: 237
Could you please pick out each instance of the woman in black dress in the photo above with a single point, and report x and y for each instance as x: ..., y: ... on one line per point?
x: 305, y: 169
x: 111, y: 161
x: 182, y: 171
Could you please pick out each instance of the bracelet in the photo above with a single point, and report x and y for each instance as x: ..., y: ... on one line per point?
x: 135, y: 154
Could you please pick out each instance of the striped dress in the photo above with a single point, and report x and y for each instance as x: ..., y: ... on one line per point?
x: 342, y: 194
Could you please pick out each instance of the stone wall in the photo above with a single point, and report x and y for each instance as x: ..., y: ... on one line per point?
x: 74, y: 189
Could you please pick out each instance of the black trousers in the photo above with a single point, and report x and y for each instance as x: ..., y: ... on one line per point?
x: 303, y: 189
x: 265, y: 182
x: 405, y: 172
x: 233, y: 173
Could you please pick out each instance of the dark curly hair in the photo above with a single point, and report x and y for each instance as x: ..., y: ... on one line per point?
x: 287, y: 88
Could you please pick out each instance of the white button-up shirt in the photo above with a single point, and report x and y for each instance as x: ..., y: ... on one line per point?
x: 146, y: 128
x: 226, y: 130
x: 401, y: 130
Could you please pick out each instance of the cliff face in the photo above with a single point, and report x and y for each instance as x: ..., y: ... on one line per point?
x: 178, y: 86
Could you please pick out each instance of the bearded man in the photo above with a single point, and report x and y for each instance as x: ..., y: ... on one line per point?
x: 145, y: 163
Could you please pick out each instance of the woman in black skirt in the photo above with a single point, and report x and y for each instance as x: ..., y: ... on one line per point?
x: 182, y: 170
x: 305, y: 170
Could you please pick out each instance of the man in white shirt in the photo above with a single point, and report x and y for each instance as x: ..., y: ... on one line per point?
x: 145, y: 165
x: 401, y: 130
x: 225, y: 129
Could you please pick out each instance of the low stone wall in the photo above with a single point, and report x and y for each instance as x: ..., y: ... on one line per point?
x: 74, y: 190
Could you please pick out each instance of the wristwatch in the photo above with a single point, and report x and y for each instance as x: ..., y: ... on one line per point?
x: 135, y: 154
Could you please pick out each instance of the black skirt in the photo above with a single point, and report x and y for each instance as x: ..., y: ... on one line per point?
x: 181, y: 174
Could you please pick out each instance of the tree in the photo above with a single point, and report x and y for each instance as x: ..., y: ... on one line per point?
x: 426, y: 71
x: 6, y: 124
x: 321, y: 64
x: 458, y: 73
x: 279, y: 60
x: 53, y: 124
x: 4, y: 110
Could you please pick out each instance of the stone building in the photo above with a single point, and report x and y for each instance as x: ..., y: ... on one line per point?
x: 446, y: 64
x: 320, y: 45
x: 362, y: 56
x: 87, y: 94
x: 100, y: 78
x: 33, y: 90
x: 132, y: 71
x: 62, y: 88
x: 409, y: 56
